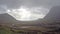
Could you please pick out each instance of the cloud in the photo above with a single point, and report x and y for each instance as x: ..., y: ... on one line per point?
x: 28, y: 14
x: 30, y: 3
x: 3, y: 9
x: 15, y: 4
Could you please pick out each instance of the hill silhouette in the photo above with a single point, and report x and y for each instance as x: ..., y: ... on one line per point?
x: 6, y: 18
x: 53, y: 18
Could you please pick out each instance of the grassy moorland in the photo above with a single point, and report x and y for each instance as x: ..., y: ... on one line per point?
x: 34, y: 29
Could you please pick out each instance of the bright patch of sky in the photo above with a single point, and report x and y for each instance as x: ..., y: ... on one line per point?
x: 28, y: 14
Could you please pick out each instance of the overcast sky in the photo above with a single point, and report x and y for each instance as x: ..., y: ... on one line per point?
x: 28, y: 3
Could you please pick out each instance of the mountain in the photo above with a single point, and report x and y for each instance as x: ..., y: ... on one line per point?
x: 6, y: 18
x: 53, y: 18
x: 54, y: 14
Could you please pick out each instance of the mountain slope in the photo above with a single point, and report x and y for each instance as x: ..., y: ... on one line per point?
x: 53, y: 18
x: 6, y: 18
